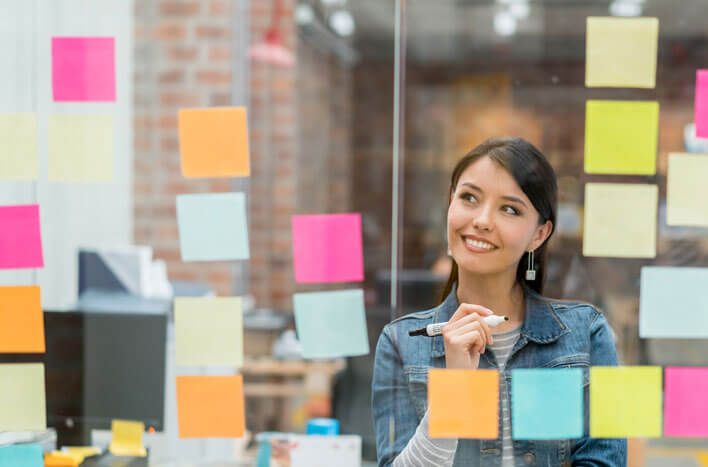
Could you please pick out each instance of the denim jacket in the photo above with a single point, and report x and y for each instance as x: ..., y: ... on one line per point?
x: 554, y: 334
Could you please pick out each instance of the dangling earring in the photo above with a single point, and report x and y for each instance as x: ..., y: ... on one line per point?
x: 449, y: 252
x: 530, y: 271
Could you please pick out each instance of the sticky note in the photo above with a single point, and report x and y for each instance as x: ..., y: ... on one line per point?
x: 672, y: 303
x: 19, y: 158
x: 214, y: 142
x: 620, y: 220
x: 212, y: 226
x: 127, y: 438
x: 21, y: 320
x: 685, y: 402
x: 327, y: 248
x: 625, y: 402
x: 700, y: 108
x: 20, y: 238
x: 210, y: 406
x: 22, y: 455
x: 687, y: 190
x: 621, y: 52
x: 331, y: 324
x: 81, y: 148
x: 621, y: 137
x: 22, y: 397
x: 209, y: 331
x: 547, y: 403
x: 83, y: 69
x: 463, y: 403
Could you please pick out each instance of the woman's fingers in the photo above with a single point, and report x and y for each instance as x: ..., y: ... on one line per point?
x: 473, y: 333
x: 467, y: 309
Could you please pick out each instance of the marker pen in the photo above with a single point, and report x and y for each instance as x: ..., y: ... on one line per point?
x: 435, y: 329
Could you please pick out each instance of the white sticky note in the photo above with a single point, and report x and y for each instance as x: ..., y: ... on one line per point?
x: 81, y: 148
x: 19, y: 158
x: 687, y: 190
x: 22, y: 397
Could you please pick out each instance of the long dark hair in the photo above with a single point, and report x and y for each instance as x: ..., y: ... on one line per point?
x: 537, y: 180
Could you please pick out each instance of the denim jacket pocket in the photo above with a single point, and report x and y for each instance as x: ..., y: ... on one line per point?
x: 580, y: 360
x: 417, y: 377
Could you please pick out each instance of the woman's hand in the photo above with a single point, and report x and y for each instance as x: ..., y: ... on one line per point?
x: 466, y: 336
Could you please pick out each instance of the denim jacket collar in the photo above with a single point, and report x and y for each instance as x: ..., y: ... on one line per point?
x: 541, y: 324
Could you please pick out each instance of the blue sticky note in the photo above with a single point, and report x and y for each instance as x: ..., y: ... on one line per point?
x: 672, y: 302
x: 212, y: 227
x: 331, y: 324
x: 547, y: 403
x: 22, y: 455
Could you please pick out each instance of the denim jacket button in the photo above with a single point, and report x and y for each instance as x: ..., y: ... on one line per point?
x: 529, y: 458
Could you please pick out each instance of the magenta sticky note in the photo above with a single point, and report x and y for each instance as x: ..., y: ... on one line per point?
x: 701, y: 104
x: 83, y: 69
x: 685, y: 402
x: 20, y: 238
x: 327, y: 248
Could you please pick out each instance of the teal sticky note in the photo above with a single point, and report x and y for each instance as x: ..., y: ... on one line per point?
x: 547, y: 403
x: 212, y: 227
x: 672, y: 303
x: 331, y: 324
x: 22, y: 455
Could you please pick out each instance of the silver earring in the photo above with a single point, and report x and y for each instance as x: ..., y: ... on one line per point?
x: 449, y: 252
x: 530, y: 271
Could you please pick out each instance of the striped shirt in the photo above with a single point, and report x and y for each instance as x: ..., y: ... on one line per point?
x: 503, y: 344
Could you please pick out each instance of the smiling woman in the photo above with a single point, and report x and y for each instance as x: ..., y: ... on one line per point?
x: 501, y: 214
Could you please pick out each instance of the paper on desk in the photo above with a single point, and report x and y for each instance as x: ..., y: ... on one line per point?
x: 127, y: 438
x: 83, y: 69
x: 214, y: 142
x: 22, y: 455
x: 81, y: 148
x: 22, y: 397
x: 20, y: 238
x: 621, y: 52
x: 687, y: 190
x: 326, y: 451
x: 621, y: 137
x: 21, y: 320
x: 19, y: 158
x: 210, y: 406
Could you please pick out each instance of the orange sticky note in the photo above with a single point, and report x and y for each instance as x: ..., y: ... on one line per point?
x: 21, y: 320
x: 210, y: 406
x: 214, y: 142
x: 463, y: 403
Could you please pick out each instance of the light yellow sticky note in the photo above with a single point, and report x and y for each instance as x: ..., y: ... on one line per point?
x: 18, y: 146
x: 81, y: 148
x: 620, y: 220
x: 127, y: 438
x: 621, y: 137
x: 209, y: 331
x: 22, y: 397
x: 625, y: 402
x: 687, y: 190
x: 621, y: 52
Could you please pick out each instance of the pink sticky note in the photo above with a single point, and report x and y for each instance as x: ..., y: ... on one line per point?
x: 685, y: 402
x: 20, y: 239
x: 83, y: 69
x: 327, y: 248
x: 701, y: 104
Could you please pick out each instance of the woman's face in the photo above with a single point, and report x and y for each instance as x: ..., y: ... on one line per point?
x: 491, y: 223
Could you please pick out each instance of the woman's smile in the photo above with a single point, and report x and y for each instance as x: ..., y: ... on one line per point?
x: 477, y: 245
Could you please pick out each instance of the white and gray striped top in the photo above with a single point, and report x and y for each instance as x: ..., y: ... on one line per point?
x: 424, y: 451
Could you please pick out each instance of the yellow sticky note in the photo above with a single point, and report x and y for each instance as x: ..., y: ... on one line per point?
x: 81, y: 148
x: 687, y: 190
x: 620, y: 220
x: 127, y: 438
x: 621, y: 52
x: 621, y: 137
x: 209, y: 331
x: 22, y: 397
x: 18, y: 146
x: 625, y: 402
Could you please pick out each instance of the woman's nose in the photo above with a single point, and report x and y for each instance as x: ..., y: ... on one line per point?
x: 483, y: 220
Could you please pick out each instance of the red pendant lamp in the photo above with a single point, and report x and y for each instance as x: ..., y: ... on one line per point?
x: 272, y: 51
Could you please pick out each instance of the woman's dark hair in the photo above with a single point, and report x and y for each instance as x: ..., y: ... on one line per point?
x: 537, y: 180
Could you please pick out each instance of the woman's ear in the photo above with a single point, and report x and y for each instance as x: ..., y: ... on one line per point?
x: 541, y: 235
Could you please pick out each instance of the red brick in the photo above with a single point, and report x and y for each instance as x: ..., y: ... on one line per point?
x: 220, y: 8
x: 171, y: 31
x: 182, y: 53
x: 169, y: 144
x: 176, y: 8
x: 212, y: 32
x: 220, y: 53
x: 213, y: 77
x: 171, y: 77
x: 168, y: 122
x: 180, y: 99
x: 220, y: 99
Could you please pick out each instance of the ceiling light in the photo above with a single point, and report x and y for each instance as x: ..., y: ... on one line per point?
x: 520, y: 10
x: 626, y: 8
x: 504, y: 23
x: 304, y: 14
x: 342, y: 22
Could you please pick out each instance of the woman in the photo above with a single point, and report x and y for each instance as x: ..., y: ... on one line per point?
x: 502, y: 212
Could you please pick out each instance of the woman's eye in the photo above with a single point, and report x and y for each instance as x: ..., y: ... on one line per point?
x: 511, y: 210
x: 469, y: 197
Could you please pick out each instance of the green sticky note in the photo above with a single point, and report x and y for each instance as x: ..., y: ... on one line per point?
x: 22, y: 397
x: 620, y: 220
x: 209, y: 331
x: 331, y: 324
x: 625, y: 402
x: 18, y: 146
x: 687, y: 190
x: 621, y: 52
x: 621, y: 137
x: 81, y: 148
